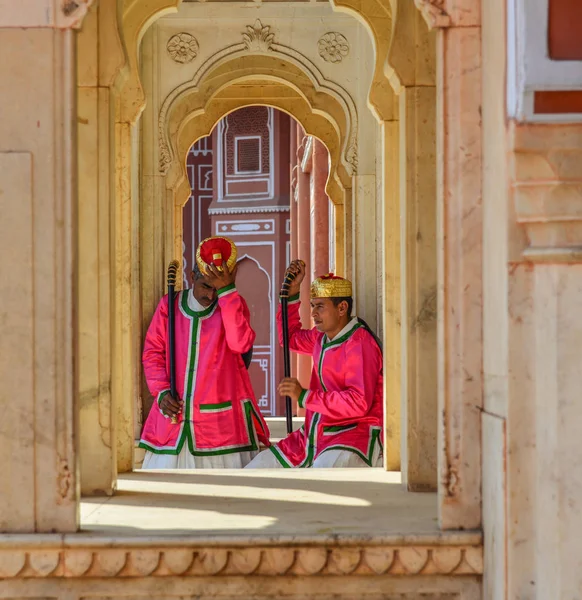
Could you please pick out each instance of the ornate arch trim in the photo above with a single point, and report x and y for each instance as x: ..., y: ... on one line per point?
x: 240, y: 51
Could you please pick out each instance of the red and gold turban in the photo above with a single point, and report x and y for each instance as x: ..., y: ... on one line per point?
x: 331, y: 286
x: 216, y: 251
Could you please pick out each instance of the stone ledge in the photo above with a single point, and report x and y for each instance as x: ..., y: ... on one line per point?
x: 81, y: 555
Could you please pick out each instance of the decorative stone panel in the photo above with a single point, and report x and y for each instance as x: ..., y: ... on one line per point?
x: 547, y: 190
x: 80, y: 556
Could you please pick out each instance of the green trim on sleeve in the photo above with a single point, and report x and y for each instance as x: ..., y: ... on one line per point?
x: 226, y: 290
x: 291, y: 299
x: 161, y: 395
x: 302, y: 398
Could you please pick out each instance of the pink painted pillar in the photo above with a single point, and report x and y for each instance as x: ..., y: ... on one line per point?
x: 303, y: 251
x: 319, y: 211
x: 293, y: 211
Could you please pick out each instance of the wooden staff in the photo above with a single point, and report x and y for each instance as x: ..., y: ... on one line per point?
x: 172, y: 274
x: 284, y: 296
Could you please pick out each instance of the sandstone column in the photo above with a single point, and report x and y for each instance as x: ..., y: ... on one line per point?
x: 100, y: 56
x: 303, y: 252
x: 412, y: 58
x: 418, y: 289
x: 391, y: 298
x: 459, y: 251
x: 319, y: 210
x: 38, y: 197
x: 293, y: 211
x: 363, y: 260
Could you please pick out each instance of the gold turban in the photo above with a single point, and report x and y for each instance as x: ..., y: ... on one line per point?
x: 331, y: 286
x: 216, y: 251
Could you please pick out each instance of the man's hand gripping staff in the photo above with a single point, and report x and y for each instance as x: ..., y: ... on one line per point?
x: 291, y: 285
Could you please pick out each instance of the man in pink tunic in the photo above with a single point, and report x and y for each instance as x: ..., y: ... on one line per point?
x: 215, y: 421
x: 344, y: 401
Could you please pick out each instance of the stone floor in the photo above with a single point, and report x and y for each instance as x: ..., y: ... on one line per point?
x: 299, y: 503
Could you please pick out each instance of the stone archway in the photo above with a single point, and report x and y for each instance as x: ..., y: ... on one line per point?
x: 230, y: 86
x: 387, y: 23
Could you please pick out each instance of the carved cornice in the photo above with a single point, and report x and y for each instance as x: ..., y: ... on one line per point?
x: 169, y: 559
x: 248, y: 210
x: 433, y: 13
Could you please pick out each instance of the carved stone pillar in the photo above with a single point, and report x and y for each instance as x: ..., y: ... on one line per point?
x: 98, y: 39
x: 459, y: 252
x: 126, y: 350
x: 418, y: 287
x: 319, y: 210
x: 391, y: 297
x: 364, y: 248
x: 38, y: 197
x: 293, y: 212
x: 303, y: 252
x: 413, y: 76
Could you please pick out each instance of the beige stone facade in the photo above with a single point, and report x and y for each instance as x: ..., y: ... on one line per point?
x: 457, y: 202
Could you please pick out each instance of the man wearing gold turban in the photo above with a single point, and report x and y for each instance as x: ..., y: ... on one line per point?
x: 343, y: 404
x: 215, y: 421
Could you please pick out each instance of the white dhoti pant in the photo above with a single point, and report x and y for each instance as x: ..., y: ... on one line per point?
x: 341, y: 459
x: 185, y: 460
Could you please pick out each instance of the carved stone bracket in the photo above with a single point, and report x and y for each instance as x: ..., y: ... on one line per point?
x: 169, y: 559
x: 433, y: 13
x: 547, y: 188
x: 72, y: 13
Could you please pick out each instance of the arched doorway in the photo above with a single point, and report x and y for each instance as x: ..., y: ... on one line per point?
x: 244, y: 184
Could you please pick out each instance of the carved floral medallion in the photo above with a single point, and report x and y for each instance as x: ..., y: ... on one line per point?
x: 182, y: 47
x: 333, y: 47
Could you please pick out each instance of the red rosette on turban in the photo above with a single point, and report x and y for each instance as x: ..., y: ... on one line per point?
x: 216, y: 251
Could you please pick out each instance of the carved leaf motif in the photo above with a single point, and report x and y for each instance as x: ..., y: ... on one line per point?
x: 145, y: 562
x: 11, y: 563
x: 165, y: 158
x: 345, y: 560
x: 258, y: 38
x: 44, y: 563
x: 213, y: 561
x: 245, y: 561
x: 379, y: 559
x: 111, y: 562
x: 178, y: 561
x: 446, y: 560
x: 413, y: 559
x: 474, y: 558
x: 313, y: 559
x: 277, y: 561
x: 77, y: 562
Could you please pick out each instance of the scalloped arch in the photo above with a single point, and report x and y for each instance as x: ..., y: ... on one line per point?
x: 283, y: 66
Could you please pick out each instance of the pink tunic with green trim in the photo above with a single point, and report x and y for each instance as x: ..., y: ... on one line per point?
x: 220, y: 414
x: 344, y: 402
